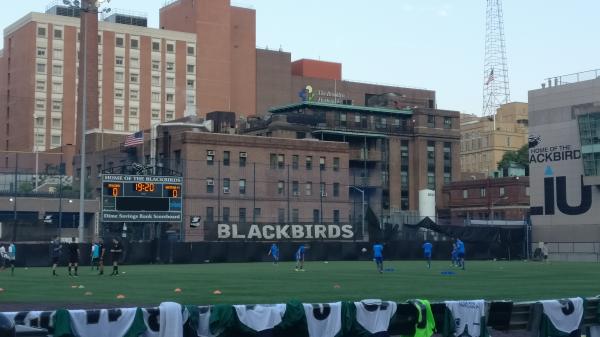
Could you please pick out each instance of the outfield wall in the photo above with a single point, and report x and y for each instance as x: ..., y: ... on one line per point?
x: 37, y: 255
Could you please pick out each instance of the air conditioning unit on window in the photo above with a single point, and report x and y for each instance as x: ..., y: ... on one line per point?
x: 226, y: 190
x: 295, y: 194
x: 323, y: 194
x: 243, y: 155
x: 210, y: 152
x: 210, y: 182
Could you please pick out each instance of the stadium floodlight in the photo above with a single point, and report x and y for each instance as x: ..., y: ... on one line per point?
x: 66, y: 2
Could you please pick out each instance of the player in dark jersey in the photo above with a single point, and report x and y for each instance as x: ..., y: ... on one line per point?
x: 73, y: 250
x: 101, y: 251
x: 55, y: 247
x: 116, y: 251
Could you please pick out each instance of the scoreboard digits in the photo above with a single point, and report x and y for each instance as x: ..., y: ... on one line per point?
x: 142, y: 189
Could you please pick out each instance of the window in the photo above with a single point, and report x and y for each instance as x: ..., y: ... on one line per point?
x: 280, y: 215
x: 41, y: 67
x: 55, y: 140
x: 133, y: 126
x: 56, y: 70
x: 316, y: 216
x: 170, y: 66
x: 242, y: 215
x: 323, y: 189
x: 210, y: 157
x: 56, y: 123
x: 465, y: 194
x: 39, y: 139
x: 155, y: 96
x: 170, y: 48
x: 280, y: 187
x: 57, y: 87
x: 295, y: 188
x: 134, y: 62
x: 56, y: 106
x: 40, y: 85
x: 501, y: 191
x: 527, y: 191
x: 431, y: 165
x: 336, y: 164
x: 119, y: 126
x: 119, y: 77
x: 295, y: 217
x: 133, y: 94
x: 336, y: 216
x: 210, y: 185
x: 308, y: 188
x: 119, y: 42
x: 242, y: 159
x: 273, y: 160
x: 242, y: 186
x: 256, y: 214
x: 119, y: 60
x: 155, y: 65
x: 336, y: 189
x: 41, y: 31
x: 343, y: 119
x: 170, y: 98
x: 170, y: 82
x: 309, y: 162
x: 295, y: 160
x: 210, y: 215
x: 190, y: 84
x: 226, y: 185
x: 226, y: 158
x: 58, y: 34
x: 431, y: 121
x: 482, y: 192
x: 225, y: 214
x: 57, y: 54
x: 322, y: 163
x: 155, y: 46
x: 118, y: 93
x: 155, y: 113
x: 447, y: 123
x: 431, y: 180
x: 39, y: 121
x: 190, y: 68
x: 41, y: 52
x: 156, y: 81
x: 134, y: 43
x: 280, y: 161
x: 118, y: 110
x: 40, y: 104
x: 169, y: 114
x: 190, y: 51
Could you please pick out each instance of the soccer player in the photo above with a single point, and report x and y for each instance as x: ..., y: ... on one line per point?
x: 3, y: 257
x: 101, y: 251
x: 300, y: 258
x: 427, y: 248
x: 460, y: 249
x: 12, y: 256
x: 95, y: 254
x: 274, y: 252
x: 116, y: 251
x: 55, y: 247
x: 378, y: 256
x: 73, y: 249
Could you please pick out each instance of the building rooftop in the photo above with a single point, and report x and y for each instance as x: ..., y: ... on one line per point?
x: 342, y: 107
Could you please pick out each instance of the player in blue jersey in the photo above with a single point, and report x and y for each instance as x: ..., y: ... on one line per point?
x: 460, y: 249
x: 300, y: 258
x: 427, y: 248
x: 378, y: 256
x: 274, y: 252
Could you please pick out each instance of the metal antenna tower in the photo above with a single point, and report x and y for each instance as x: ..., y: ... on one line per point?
x: 496, y: 90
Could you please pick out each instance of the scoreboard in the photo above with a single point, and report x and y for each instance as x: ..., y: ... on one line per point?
x: 133, y: 198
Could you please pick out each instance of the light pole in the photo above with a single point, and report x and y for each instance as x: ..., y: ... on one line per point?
x: 362, y: 208
x: 86, y: 6
x: 13, y: 200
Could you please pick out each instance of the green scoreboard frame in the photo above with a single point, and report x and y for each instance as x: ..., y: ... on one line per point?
x: 138, y: 198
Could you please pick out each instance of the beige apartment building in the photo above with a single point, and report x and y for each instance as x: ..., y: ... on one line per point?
x: 485, y: 140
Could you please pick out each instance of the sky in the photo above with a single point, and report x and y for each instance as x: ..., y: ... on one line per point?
x: 430, y: 44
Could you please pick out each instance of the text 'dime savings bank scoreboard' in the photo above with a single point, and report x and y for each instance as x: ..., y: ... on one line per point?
x: 133, y: 198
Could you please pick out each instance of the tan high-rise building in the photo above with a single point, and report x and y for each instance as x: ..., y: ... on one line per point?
x: 484, y: 141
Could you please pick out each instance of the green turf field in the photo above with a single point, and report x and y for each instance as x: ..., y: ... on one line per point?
x: 266, y: 283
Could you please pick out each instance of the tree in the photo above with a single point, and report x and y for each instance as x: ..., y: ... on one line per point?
x: 519, y: 157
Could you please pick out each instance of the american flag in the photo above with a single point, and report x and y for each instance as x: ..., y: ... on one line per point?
x: 490, y: 77
x: 134, y: 139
